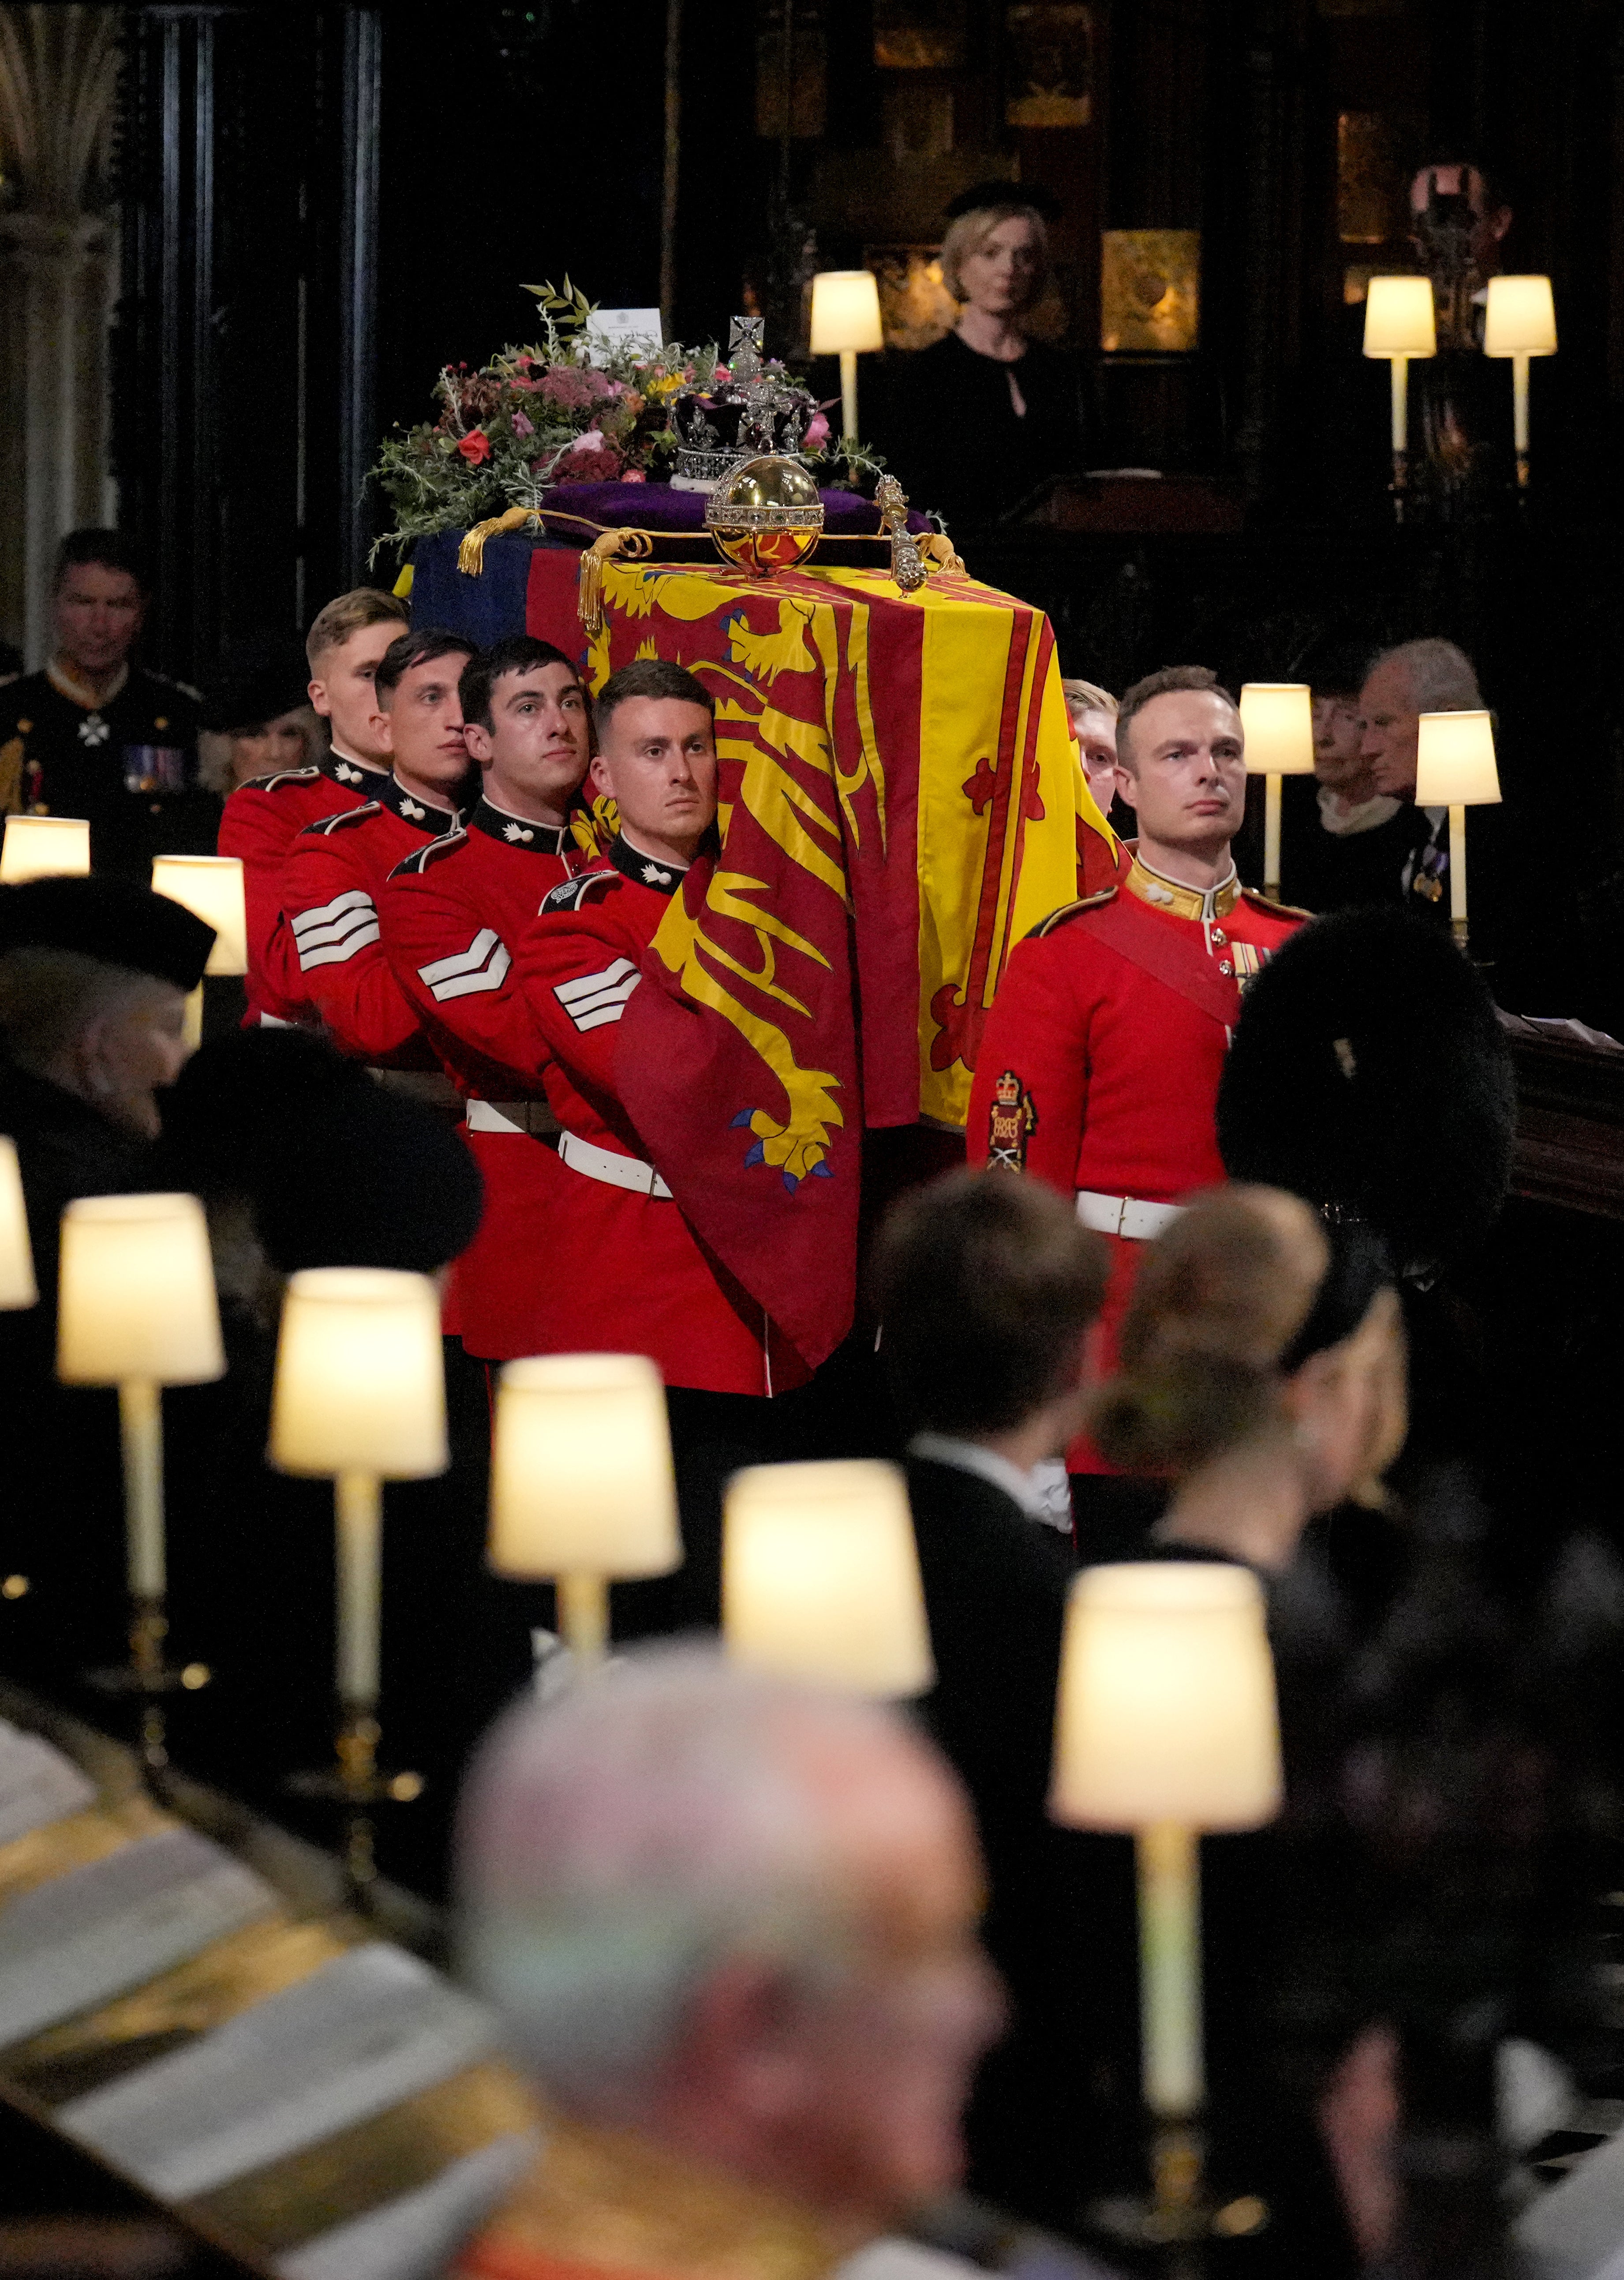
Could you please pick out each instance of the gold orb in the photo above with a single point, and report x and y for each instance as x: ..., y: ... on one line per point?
x: 764, y: 515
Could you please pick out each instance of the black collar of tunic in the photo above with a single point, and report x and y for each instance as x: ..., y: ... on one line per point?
x: 351, y: 775
x: 519, y: 831
x: 421, y: 814
x: 654, y: 871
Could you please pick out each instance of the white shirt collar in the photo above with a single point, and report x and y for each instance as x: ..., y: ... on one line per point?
x: 1033, y: 1491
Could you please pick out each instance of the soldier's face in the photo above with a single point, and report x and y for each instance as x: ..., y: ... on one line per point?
x: 341, y: 689
x: 422, y: 731
x: 658, y: 761
x: 98, y: 613
x: 1391, y: 728
x: 1187, y: 782
x: 536, y: 751
x: 1096, y: 741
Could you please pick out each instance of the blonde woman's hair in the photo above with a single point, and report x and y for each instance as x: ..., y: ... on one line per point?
x: 970, y: 232
x: 1088, y: 697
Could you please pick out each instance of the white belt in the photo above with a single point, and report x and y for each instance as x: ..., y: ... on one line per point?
x: 532, y: 1118
x: 614, y: 1171
x: 1125, y: 1215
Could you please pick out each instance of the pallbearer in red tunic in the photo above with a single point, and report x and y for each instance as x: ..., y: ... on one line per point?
x: 638, y: 1277
x: 1099, y: 1066
x: 450, y: 914
x: 325, y: 943
x: 262, y: 819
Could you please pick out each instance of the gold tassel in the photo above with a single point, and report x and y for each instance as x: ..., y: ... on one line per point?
x: 471, y: 553
x: 589, y: 591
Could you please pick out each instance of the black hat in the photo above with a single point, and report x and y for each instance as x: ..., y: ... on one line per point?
x: 338, y: 1170
x: 257, y: 681
x: 1369, y: 1076
x: 109, y: 918
x: 1043, y: 202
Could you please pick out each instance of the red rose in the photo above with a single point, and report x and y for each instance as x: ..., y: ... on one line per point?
x: 475, y: 447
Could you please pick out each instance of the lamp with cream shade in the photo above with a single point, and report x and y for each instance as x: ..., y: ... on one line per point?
x: 1519, y: 322
x: 845, y: 322
x: 820, y: 1578
x: 1277, y: 718
x: 44, y: 847
x: 1165, y: 1727
x: 136, y: 1309
x: 1455, y: 767
x: 360, y: 1395
x: 582, y: 1489
x: 1399, y: 324
x: 211, y: 887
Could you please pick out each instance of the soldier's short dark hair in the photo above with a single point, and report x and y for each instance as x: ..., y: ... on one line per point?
x: 986, y: 1282
x: 513, y: 653
x: 110, y: 549
x: 1171, y: 681
x: 651, y: 677
x: 421, y: 646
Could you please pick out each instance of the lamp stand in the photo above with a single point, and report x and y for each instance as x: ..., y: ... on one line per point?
x: 355, y: 1780
x: 147, y: 1675
x: 1177, y: 2216
x: 848, y: 399
x: 583, y: 1617
x: 1458, y: 876
x: 1520, y: 415
x: 1401, y: 434
x: 1271, y: 836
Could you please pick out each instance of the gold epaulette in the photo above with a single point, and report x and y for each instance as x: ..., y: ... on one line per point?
x: 1072, y: 911
x: 1259, y: 901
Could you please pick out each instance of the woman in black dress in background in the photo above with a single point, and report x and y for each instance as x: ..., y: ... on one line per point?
x: 975, y: 423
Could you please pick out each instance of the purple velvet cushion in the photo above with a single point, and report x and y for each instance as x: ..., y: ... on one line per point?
x: 656, y: 507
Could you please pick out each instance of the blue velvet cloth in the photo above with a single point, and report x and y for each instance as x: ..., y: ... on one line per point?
x: 485, y: 607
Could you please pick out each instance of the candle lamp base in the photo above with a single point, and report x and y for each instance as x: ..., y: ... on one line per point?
x: 1177, y: 2215
x: 149, y: 1678
x: 359, y: 1785
x: 1398, y: 488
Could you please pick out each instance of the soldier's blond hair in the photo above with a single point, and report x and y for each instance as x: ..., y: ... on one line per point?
x: 349, y: 613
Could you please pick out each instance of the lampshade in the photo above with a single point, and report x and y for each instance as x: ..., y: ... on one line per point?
x: 43, y: 847
x: 360, y: 1378
x: 210, y: 886
x: 580, y: 1476
x: 1455, y: 762
x: 1166, y: 1703
x: 17, y: 1285
x: 137, y: 1293
x: 1521, y: 318
x: 820, y: 1579
x: 845, y: 311
x: 1399, y: 318
x: 1278, y: 717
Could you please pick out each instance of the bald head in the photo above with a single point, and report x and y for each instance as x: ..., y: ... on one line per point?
x: 684, y: 1882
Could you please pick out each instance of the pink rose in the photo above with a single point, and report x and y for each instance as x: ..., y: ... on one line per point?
x: 475, y: 447
x: 632, y: 475
x: 817, y: 432
x: 521, y: 426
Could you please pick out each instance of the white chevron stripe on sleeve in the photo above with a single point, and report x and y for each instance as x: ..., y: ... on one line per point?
x: 324, y: 914
x: 592, y: 985
x: 482, y: 966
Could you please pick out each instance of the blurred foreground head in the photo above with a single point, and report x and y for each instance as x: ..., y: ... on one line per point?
x: 736, y: 1916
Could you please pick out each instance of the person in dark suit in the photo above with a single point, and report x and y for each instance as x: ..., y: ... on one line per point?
x: 987, y: 1289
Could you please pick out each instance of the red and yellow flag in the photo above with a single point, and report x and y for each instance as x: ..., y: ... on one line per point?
x: 901, y: 799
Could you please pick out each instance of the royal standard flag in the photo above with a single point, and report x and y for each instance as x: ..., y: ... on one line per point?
x: 901, y: 800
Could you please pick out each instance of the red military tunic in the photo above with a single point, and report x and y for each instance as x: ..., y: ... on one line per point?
x: 449, y: 914
x: 325, y: 939
x: 632, y: 1275
x: 261, y: 822
x: 1100, y: 1062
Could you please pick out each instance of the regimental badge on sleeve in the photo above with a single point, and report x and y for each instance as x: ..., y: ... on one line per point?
x: 1010, y: 1122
